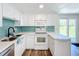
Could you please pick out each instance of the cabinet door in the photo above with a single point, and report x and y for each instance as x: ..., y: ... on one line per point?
x: 31, y: 22
x: 10, y: 12
x: 24, y: 20
x: 0, y: 15
x: 7, y: 11
x: 40, y: 20
x: 16, y: 14
x: 30, y: 42
x: 51, y: 44
x: 20, y: 46
x: 23, y: 44
x: 27, y: 20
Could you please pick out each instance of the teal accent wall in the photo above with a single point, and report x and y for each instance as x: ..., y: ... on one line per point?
x: 32, y: 28
x: 18, y: 29
x: 2, y: 32
x: 51, y: 28
x: 28, y: 29
x: 6, y: 24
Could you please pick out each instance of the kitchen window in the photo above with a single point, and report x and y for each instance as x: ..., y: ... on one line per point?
x: 63, y: 27
x: 67, y: 27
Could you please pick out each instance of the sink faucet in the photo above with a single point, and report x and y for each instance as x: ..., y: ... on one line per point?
x: 9, y: 31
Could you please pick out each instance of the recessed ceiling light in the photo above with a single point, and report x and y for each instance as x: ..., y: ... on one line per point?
x: 41, y: 6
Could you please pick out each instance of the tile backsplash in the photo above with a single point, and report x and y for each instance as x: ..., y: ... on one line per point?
x: 32, y: 28
x: 51, y: 28
x: 6, y: 24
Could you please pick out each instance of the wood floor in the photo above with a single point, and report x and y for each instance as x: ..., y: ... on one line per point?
x: 31, y: 52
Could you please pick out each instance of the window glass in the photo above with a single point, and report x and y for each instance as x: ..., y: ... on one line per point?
x: 71, y: 22
x: 63, y: 27
x: 63, y: 30
x: 63, y: 21
x: 72, y: 32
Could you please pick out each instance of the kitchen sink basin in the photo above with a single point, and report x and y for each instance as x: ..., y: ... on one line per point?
x: 9, y: 39
x: 18, y: 35
x: 12, y: 38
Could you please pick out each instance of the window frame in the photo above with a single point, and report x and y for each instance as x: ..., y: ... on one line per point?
x: 67, y: 19
x: 66, y: 26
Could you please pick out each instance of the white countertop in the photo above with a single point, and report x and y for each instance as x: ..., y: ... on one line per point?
x: 53, y: 35
x: 4, y: 45
x: 58, y: 37
x: 15, y: 34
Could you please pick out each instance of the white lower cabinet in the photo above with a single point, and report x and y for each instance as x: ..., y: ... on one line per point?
x: 24, y: 42
x: 59, y: 47
x: 30, y: 40
x: 20, y: 45
x: 51, y: 44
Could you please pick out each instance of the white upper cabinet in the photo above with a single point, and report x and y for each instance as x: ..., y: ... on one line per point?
x: 10, y: 12
x: 40, y: 20
x: 31, y: 22
x: 27, y: 20
x: 16, y: 14
x: 7, y: 11
x: 0, y: 15
x: 24, y: 20
x: 34, y: 20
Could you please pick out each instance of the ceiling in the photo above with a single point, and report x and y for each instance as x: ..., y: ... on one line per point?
x: 62, y: 8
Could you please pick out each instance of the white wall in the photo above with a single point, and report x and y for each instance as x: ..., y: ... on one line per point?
x: 77, y: 29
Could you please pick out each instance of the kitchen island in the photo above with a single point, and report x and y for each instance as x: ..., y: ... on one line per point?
x: 59, y: 45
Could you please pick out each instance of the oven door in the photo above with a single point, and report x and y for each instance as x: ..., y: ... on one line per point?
x: 41, y: 39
